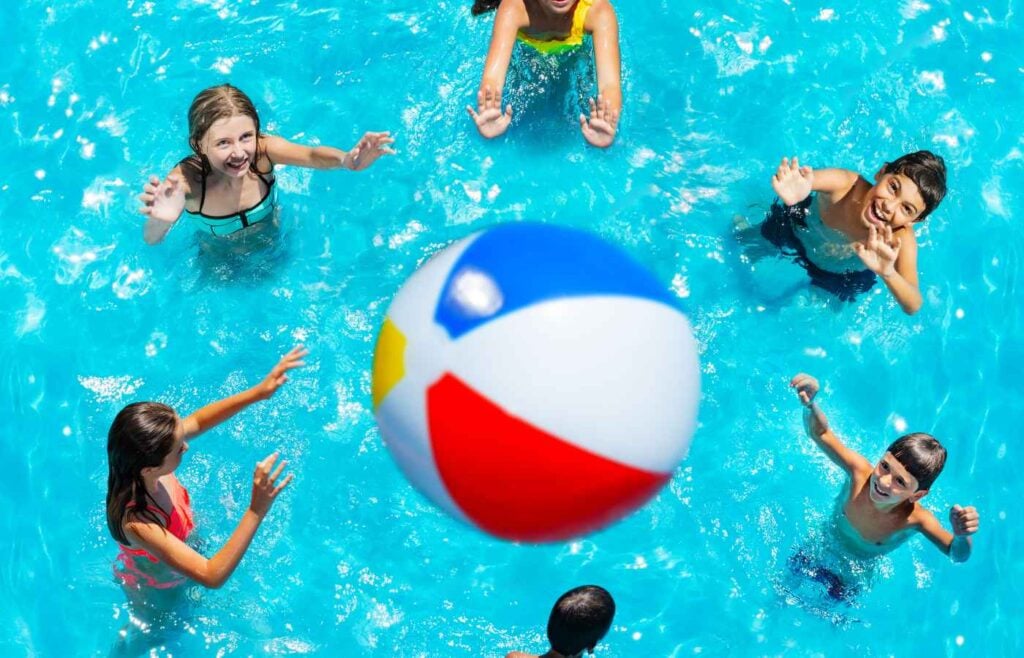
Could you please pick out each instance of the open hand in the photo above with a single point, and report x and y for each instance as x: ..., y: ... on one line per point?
x: 600, y: 130
x: 792, y: 182
x: 264, y: 484
x: 806, y: 388
x: 879, y: 251
x: 366, y: 151
x: 488, y: 117
x: 163, y: 201
x: 278, y: 376
x: 964, y: 520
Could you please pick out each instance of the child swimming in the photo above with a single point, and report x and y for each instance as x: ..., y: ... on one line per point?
x: 551, y: 27
x: 578, y: 621
x: 227, y: 184
x: 148, y: 510
x: 860, y: 229
x: 879, y: 508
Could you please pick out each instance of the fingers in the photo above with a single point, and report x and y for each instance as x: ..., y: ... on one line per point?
x: 508, y: 111
x: 284, y: 483
x: 277, y: 471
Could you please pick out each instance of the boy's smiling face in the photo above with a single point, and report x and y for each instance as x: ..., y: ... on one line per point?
x: 891, y: 483
x: 894, y: 201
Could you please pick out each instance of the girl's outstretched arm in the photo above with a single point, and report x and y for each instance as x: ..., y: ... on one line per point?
x: 162, y: 204
x: 217, y: 412
x: 213, y: 572
x: 605, y: 111
x: 489, y: 119
x: 366, y: 151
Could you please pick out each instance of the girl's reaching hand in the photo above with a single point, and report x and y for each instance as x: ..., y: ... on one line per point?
x: 366, y: 151
x: 264, y: 484
x: 163, y: 201
x: 600, y: 130
x: 489, y: 119
x: 278, y: 375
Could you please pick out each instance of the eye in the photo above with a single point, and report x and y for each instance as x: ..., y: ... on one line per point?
x: 892, y: 185
x: 901, y: 482
x: 222, y: 142
x: 908, y: 211
x: 246, y: 137
x: 885, y: 467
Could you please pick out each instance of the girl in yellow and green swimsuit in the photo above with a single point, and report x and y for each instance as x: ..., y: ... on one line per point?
x: 551, y: 27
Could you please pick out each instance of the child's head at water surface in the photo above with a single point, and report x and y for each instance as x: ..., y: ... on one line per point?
x: 579, y: 620
x: 223, y: 131
x: 146, y: 439
x: 907, y: 469
x: 907, y: 189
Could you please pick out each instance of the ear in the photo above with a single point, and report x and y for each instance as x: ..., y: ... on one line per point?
x: 147, y: 471
x: 918, y: 495
x: 880, y: 172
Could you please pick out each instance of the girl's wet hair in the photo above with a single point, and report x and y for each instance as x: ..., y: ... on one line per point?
x: 922, y: 455
x: 141, y: 436
x: 210, y: 106
x: 928, y: 171
x: 484, y: 6
x: 580, y: 618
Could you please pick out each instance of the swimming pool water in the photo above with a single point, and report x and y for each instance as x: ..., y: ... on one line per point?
x: 352, y: 561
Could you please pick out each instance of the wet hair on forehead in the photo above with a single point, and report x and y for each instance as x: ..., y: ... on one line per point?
x: 216, y: 103
x: 580, y: 618
x: 922, y: 455
x: 927, y: 171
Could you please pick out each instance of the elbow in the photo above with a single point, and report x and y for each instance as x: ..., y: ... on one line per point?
x: 913, y: 306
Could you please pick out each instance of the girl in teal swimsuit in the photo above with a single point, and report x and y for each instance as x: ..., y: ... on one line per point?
x: 227, y: 184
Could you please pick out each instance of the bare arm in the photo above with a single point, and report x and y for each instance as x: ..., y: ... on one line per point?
x: 370, y: 147
x: 162, y: 204
x: 217, y: 412
x: 956, y: 545
x: 794, y: 183
x: 213, y: 572
x: 820, y: 432
x: 604, y: 28
x: 902, y: 281
x: 488, y: 116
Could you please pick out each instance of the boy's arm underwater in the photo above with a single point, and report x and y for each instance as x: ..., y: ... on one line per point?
x: 213, y: 572
x: 818, y: 428
x: 956, y: 545
x: 366, y: 151
x: 217, y: 412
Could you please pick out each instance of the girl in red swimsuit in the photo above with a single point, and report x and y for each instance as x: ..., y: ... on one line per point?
x: 148, y: 510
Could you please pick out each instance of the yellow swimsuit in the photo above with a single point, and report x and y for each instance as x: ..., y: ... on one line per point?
x: 559, y: 46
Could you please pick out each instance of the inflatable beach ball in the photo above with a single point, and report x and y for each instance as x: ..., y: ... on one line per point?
x: 535, y: 381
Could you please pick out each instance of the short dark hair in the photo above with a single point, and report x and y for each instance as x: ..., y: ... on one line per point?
x: 580, y: 618
x: 484, y: 6
x: 928, y: 171
x: 922, y: 455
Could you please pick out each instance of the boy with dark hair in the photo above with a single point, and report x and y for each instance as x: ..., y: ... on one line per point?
x: 880, y: 509
x: 860, y: 229
x: 580, y: 618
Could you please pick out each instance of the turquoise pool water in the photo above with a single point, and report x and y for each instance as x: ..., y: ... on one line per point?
x: 352, y: 561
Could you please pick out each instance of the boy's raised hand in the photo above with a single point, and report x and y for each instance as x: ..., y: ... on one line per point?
x: 366, y: 151
x: 792, y: 182
x: 806, y: 388
x: 489, y: 119
x: 600, y: 130
x: 163, y: 201
x: 880, y: 251
x: 964, y: 520
x: 278, y: 375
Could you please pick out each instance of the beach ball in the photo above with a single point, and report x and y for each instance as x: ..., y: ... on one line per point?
x: 536, y: 382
